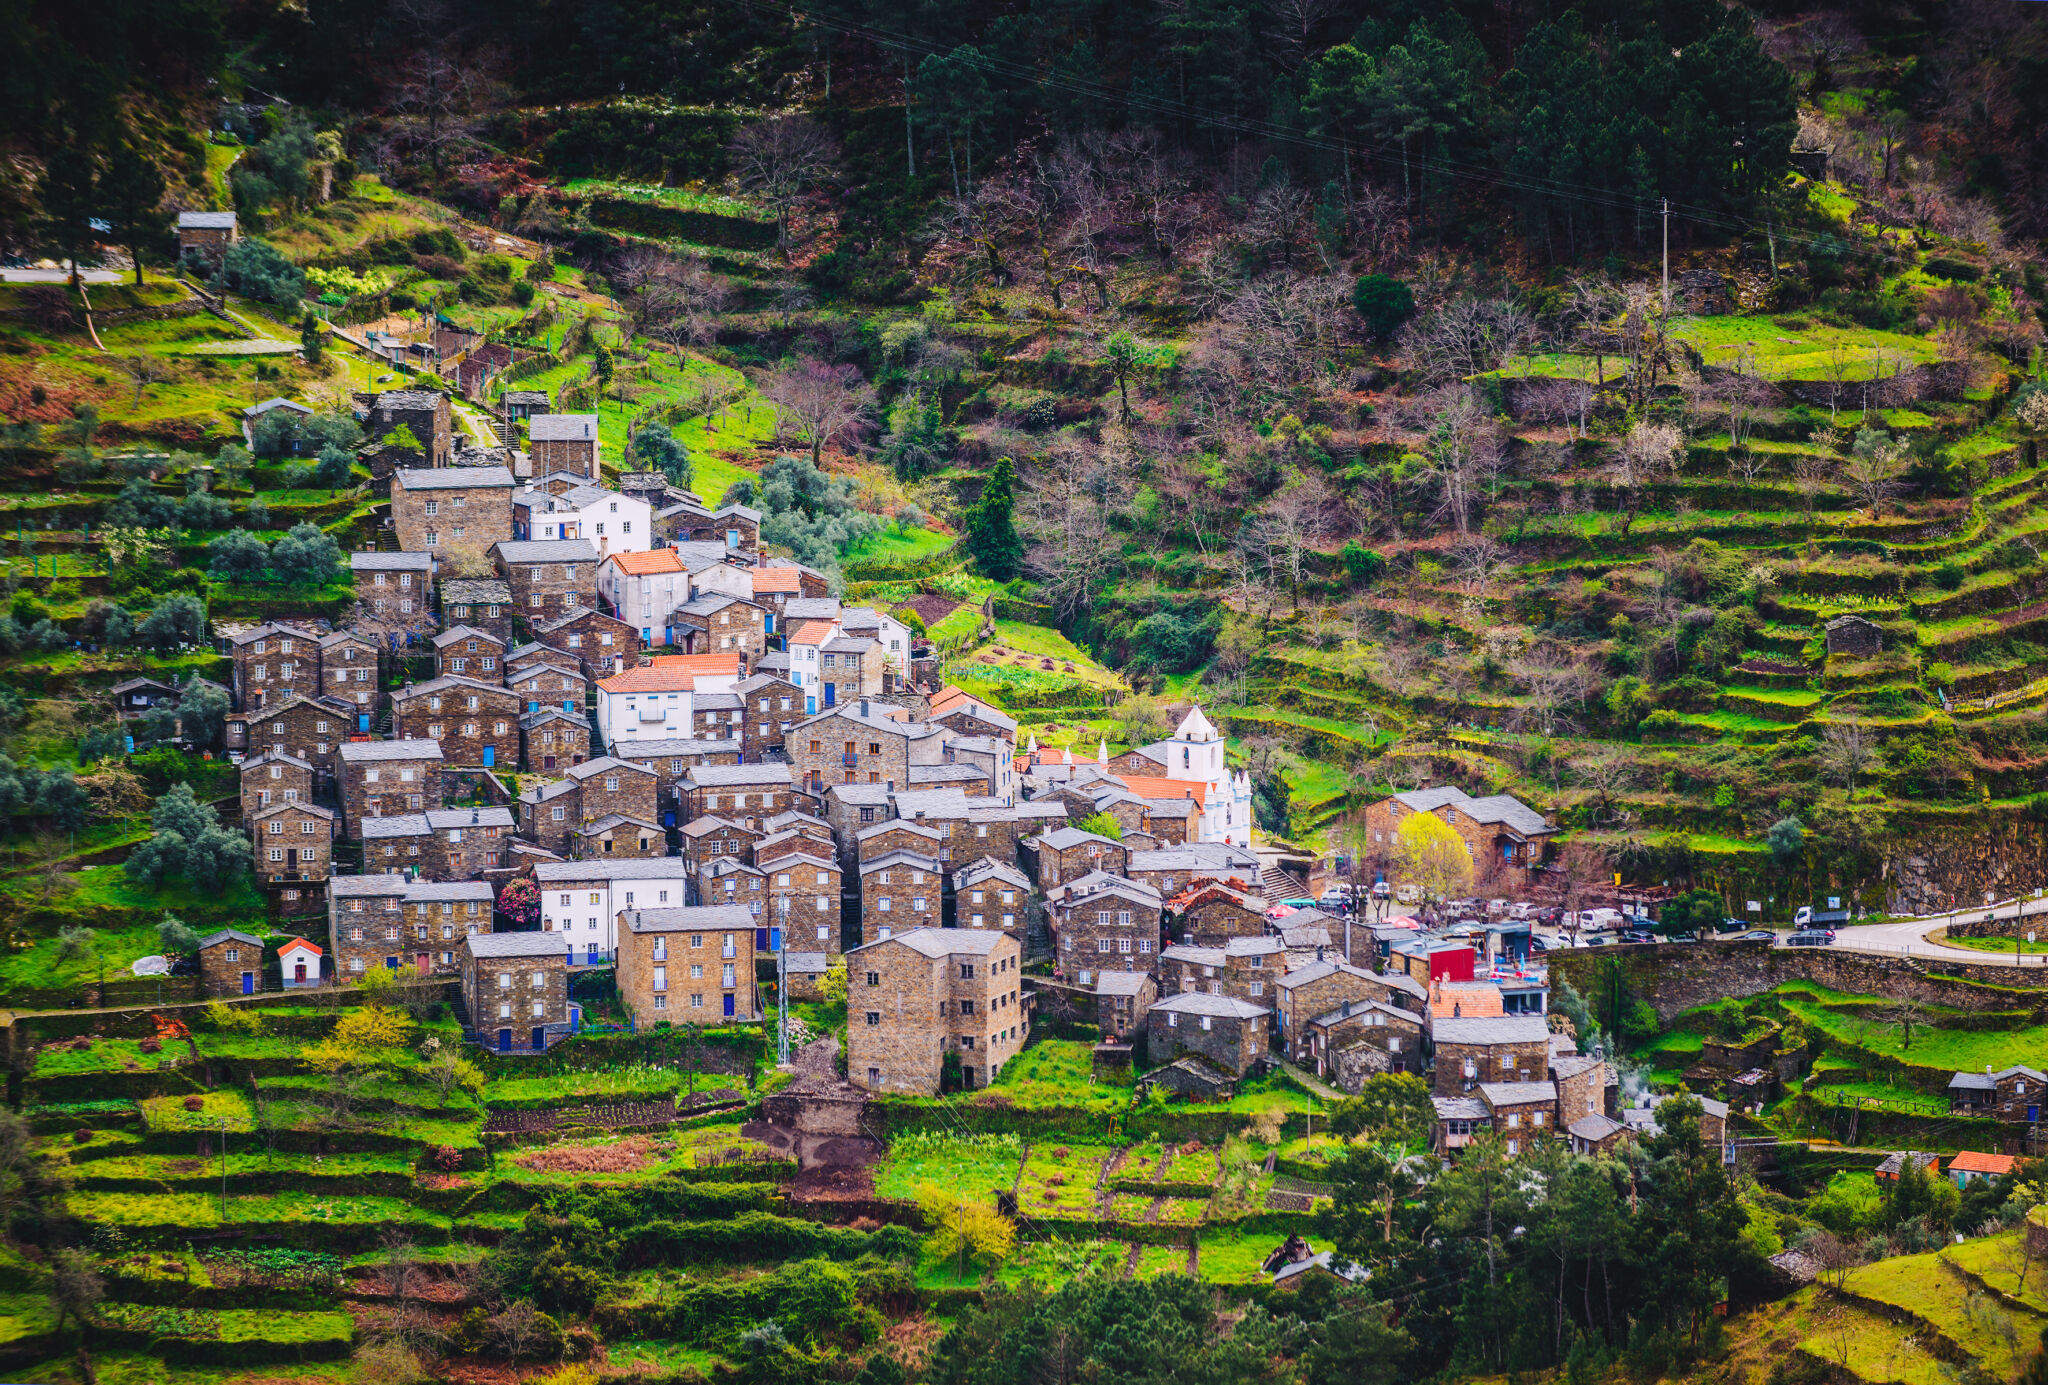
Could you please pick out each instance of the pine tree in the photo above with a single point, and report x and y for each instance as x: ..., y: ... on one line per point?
x: 131, y: 197
x: 992, y: 539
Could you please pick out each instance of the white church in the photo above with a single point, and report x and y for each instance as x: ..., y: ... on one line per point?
x: 1196, y: 753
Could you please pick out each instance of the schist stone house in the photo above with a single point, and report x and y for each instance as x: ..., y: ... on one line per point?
x: 803, y: 894
x: 484, y: 603
x: 426, y: 413
x: 552, y: 813
x: 383, y: 778
x: 2010, y: 1094
x: 441, y: 843
x: 230, y: 963
x: 1501, y: 833
x: 918, y: 998
x: 293, y: 843
x: 1068, y: 853
x: 1500, y: 1048
x: 470, y: 653
x: 515, y: 990
x: 397, y: 588
x: 552, y: 739
x: 269, y: 778
x: 899, y: 892
x: 206, y: 235
x: 743, y: 793
x: 563, y: 442
x: 273, y: 662
x: 549, y: 578
x: 860, y: 743
x: 476, y: 724
x: 308, y: 729
x: 601, y: 644
x: 687, y: 965
x: 1228, y: 1032
x: 452, y: 509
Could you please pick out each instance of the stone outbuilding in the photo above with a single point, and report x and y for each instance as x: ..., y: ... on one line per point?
x: 230, y: 963
x: 1855, y: 637
x: 1228, y: 1032
x: 515, y: 990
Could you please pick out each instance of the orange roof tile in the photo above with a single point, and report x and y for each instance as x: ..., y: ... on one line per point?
x: 1471, y: 999
x: 1970, y: 1161
x: 672, y: 673
x: 1148, y: 786
x: 648, y: 563
x: 777, y: 579
x: 945, y: 697
x: 317, y: 950
x: 811, y: 632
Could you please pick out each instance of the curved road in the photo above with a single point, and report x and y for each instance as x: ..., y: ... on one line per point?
x: 1909, y: 936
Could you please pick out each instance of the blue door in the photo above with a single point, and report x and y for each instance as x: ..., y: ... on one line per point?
x: 668, y: 817
x: 728, y: 1007
x: 590, y: 958
x: 540, y: 1038
x: 248, y: 983
x: 363, y: 722
x: 490, y: 756
x: 569, y: 707
x: 760, y: 940
x: 532, y: 707
x: 504, y: 1041
x: 831, y: 693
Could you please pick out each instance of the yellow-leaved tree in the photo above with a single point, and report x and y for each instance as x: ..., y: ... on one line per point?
x: 362, y: 1038
x: 1432, y: 857
x: 968, y: 1230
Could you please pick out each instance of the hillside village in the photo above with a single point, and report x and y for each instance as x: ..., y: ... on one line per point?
x: 896, y: 696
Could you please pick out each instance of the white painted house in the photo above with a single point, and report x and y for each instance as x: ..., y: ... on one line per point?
x: 581, y: 900
x: 615, y: 523
x: 644, y: 588
x: 657, y: 701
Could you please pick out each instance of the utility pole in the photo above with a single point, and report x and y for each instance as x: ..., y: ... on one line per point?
x: 782, y: 998
x: 1664, y: 210
x: 223, y: 1171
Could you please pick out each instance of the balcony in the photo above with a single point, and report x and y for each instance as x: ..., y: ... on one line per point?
x: 849, y: 759
x: 728, y: 952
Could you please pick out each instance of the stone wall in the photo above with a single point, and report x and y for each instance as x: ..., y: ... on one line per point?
x: 1946, y: 868
x: 1674, y: 977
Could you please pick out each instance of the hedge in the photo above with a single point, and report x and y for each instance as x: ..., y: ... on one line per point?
x: 812, y: 1298
x: 678, y: 223
x: 757, y: 1236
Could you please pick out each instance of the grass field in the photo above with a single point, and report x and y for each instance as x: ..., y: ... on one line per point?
x: 962, y: 1167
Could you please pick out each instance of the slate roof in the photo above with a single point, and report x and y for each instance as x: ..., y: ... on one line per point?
x: 476, y: 591
x: 496, y: 945
x: 547, y: 550
x: 206, y: 221
x: 943, y: 942
x: 1204, y: 1003
x: 1493, y: 1029
x: 562, y: 428
x: 390, y: 562
x: 453, y: 478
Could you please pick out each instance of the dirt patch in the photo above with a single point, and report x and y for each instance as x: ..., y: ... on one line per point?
x: 2008, y: 619
x: 629, y: 1155
x: 834, y: 1182
x: 930, y: 608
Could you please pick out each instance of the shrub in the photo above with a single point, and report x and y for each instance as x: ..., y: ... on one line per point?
x: 1949, y: 576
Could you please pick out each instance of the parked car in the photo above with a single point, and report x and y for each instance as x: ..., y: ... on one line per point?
x: 1730, y: 925
x: 1595, y: 940
x: 1811, y: 937
x: 1638, y: 935
x: 1758, y: 935
x: 1521, y: 910
x: 1333, y: 897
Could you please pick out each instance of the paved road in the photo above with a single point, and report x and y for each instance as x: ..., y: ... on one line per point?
x: 1908, y: 937
x: 62, y: 276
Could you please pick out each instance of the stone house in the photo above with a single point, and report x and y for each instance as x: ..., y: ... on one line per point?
x: 1522, y: 1112
x: 564, y: 442
x: 468, y: 841
x: 552, y: 813
x: 365, y: 922
x: 714, y: 621
x: 348, y: 668
x: 1248, y: 968
x: 731, y: 881
x: 552, y: 739
x: 1228, y: 1032
x: 436, y: 916
x: 1596, y: 1134
x: 769, y: 706
x: 1170, y: 869
x: 475, y: 723
x: 427, y: 413
x: 672, y: 761
x: 615, y: 834
x: 687, y: 965
x: 294, y: 843
x: 515, y: 990
x: 1316, y: 989
x: 860, y: 743
x: 378, y: 778
x: 1505, y: 837
x: 1067, y: 853
x: 2008, y: 1094
x: 989, y: 893
x: 1122, y: 1000
x: 395, y: 587
x: 897, y: 834
x: 397, y: 843
x: 965, y: 715
x: 312, y: 730
x: 269, y: 778
x: 1459, y: 1120
x: 272, y: 663
x: 582, y: 899
x: 925, y: 994
x: 549, y: 578
x: 602, y: 645
x: 460, y: 509
x: 482, y: 603
x: 709, y: 839
x: 743, y: 793
x: 230, y: 963
x: 803, y: 896
x: 551, y: 683
x: 715, y: 715
x: 464, y: 651
x: 899, y: 892
x: 206, y: 235
x: 1358, y: 1039
x: 1211, y: 913
x: 1581, y: 1081
x: 519, y: 404
x: 1111, y: 926
x: 1500, y: 1048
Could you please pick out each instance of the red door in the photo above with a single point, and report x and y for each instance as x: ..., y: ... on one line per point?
x: 424, y: 966
x: 299, y: 972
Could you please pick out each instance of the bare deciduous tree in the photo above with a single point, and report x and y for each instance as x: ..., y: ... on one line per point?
x: 1845, y: 752
x: 1299, y: 517
x: 1645, y: 455
x: 1467, y: 336
x: 782, y: 160
x: 819, y: 404
x: 1553, y: 683
x: 1462, y: 450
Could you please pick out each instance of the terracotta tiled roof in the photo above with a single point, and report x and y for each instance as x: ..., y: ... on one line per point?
x: 1970, y: 1161
x: 1146, y: 786
x: 777, y: 579
x: 811, y: 632
x: 649, y: 562
x: 672, y: 673
x: 1472, y: 1000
